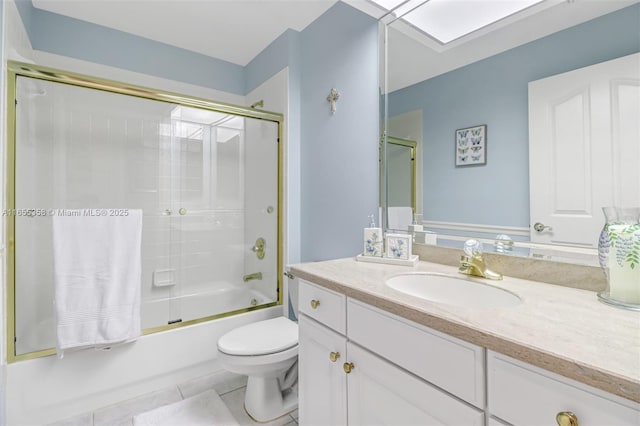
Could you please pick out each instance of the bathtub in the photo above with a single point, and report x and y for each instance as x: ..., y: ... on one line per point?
x: 219, y: 299
x: 87, y: 380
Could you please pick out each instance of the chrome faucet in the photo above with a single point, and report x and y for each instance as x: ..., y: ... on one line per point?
x: 472, y: 262
x: 254, y: 276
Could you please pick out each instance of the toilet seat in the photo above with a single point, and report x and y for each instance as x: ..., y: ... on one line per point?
x: 260, y: 338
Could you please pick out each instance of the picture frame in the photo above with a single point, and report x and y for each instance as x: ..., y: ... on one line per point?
x: 471, y: 146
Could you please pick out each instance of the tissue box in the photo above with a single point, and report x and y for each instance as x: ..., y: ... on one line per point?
x: 398, y: 246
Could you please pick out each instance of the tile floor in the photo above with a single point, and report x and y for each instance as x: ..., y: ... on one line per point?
x: 230, y: 387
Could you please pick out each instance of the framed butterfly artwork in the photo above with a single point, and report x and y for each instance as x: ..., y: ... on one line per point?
x: 471, y: 146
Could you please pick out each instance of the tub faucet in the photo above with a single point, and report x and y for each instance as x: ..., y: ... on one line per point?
x: 254, y: 276
x: 472, y: 262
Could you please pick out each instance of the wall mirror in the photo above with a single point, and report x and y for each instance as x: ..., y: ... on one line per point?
x: 533, y: 75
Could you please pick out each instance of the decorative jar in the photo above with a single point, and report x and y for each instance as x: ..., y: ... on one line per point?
x: 619, y: 255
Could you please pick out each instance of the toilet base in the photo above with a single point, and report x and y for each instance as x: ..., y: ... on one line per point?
x: 264, y: 401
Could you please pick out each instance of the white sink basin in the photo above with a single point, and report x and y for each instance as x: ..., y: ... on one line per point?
x: 452, y: 290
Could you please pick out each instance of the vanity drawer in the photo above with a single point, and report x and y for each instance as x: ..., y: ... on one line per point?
x: 323, y: 305
x: 522, y: 394
x: 449, y: 363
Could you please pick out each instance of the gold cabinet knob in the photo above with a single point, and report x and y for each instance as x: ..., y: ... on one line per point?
x: 315, y: 303
x: 566, y: 418
x: 348, y: 367
x: 333, y: 356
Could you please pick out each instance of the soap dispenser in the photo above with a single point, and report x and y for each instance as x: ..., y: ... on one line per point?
x: 373, y: 245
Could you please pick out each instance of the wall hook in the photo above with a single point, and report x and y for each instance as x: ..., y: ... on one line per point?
x: 334, y: 95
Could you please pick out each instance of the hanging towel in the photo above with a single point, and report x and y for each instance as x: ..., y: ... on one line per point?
x: 97, y: 277
x: 400, y: 217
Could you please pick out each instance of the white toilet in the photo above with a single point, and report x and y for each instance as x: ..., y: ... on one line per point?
x: 267, y: 352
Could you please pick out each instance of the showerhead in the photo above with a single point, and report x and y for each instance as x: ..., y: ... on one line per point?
x: 260, y: 104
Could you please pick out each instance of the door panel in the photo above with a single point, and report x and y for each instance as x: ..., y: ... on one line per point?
x: 583, y: 149
x: 322, y: 383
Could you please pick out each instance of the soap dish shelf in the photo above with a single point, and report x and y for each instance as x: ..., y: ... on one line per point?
x: 412, y: 261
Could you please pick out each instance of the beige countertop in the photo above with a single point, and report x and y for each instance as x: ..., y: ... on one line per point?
x: 563, y: 330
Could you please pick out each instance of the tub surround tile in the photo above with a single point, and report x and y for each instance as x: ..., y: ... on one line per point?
x: 122, y: 413
x: 561, y: 329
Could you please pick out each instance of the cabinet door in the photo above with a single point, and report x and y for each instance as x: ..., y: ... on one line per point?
x: 525, y: 395
x: 448, y: 363
x: 322, y: 382
x: 380, y: 393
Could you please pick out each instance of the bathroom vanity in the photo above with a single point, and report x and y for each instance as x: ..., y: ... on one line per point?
x: 369, y: 354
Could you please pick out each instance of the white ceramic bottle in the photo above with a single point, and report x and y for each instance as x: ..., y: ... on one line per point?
x: 373, y: 241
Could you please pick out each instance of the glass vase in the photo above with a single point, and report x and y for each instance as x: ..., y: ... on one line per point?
x: 619, y: 255
x: 604, y: 242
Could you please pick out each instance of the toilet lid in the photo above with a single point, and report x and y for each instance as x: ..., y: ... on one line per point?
x: 260, y: 338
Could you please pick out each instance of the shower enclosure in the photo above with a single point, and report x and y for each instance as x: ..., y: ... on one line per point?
x: 206, y: 175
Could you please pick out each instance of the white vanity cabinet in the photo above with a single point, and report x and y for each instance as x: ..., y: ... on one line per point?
x: 344, y: 382
x: 322, y: 347
x: 381, y: 393
x: 322, y: 383
x: 399, y: 371
x: 522, y: 394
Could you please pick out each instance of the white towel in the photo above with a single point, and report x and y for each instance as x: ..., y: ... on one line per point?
x: 97, y: 276
x: 400, y: 217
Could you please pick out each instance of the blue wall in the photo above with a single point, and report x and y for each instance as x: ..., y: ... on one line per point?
x: 283, y: 52
x: 78, y: 39
x: 494, y: 92
x: 339, y: 153
x: 333, y: 159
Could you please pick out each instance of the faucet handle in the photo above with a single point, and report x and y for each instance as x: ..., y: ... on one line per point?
x: 473, y: 248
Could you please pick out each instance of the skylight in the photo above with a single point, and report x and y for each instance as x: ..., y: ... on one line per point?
x: 449, y: 20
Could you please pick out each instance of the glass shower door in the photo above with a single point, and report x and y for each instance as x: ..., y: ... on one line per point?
x: 206, y: 181
x: 225, y: 190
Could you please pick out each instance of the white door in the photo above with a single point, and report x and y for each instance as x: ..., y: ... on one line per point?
x: 382, y: 394
x: 584, y: 149
x: 322, y: 383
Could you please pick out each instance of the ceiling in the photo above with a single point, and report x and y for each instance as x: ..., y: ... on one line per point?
x: 237, y: 30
